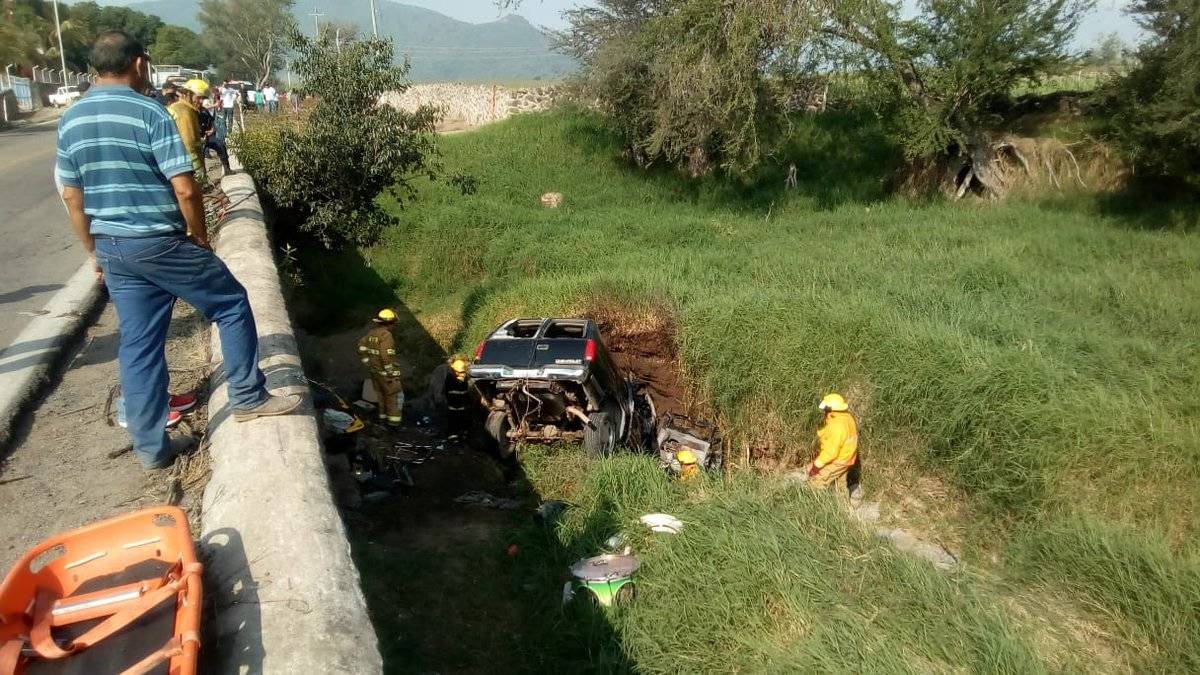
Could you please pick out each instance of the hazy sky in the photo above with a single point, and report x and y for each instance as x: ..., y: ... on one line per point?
x: 1106, y: 18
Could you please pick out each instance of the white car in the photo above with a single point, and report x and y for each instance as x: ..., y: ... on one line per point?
x: 64, y: 96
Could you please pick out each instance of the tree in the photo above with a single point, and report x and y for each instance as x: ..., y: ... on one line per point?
x: 684, y: 79
x: 180, y: 46
x: 330, y: 169
x: 938, y: 74
x: 141, y: 26
x: 1109, y: 52
x: 1156, y: 106
x: 695, y: 82
x: 247, y: 36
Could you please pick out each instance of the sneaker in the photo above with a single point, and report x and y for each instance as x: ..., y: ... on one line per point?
x: 274, y: 405
x: 173, y: 418
x: 182, y: 403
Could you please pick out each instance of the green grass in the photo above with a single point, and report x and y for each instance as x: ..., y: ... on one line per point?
x: 1041, y: 355
x: 765, y: 577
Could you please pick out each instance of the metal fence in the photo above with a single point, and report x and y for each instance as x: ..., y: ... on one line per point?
x: 29, y: 91
x: 22, y: 88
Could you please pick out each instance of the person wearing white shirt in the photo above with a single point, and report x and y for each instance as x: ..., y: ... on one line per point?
x: 271, y: 98
x: 229, y: 99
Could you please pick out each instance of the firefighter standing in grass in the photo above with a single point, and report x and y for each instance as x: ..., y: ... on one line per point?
x: 838, y: 440
x: 458, y: 396
x: 377, y: 350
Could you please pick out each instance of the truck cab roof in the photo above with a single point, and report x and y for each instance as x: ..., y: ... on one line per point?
x: 532, y: 329
x: 541, y: 348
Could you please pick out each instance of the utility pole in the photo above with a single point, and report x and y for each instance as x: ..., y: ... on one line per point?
x: 62, y: 54
x: 374, y: 20
x: 316, y: 23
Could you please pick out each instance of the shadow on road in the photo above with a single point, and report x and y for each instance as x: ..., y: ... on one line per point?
x: 26, y: 293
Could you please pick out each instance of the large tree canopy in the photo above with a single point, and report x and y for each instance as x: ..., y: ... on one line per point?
x: 1156, y: 106
x: 247, y: 36
x: 688, y: 78
x: 179, y: 46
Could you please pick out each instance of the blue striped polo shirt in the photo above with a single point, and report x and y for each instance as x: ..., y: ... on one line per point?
x: 122, y: 149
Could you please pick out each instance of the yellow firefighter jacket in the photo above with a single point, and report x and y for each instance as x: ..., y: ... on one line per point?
x: 187, y: 120
x: 839, y: 440
x: 377, y: 349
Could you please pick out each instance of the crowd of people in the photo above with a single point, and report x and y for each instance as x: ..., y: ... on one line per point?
x: 128, y: 163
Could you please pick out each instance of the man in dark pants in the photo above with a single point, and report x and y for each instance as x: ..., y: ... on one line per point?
x: 214, y: 138
x: 135, y: 206
x: 458, y: 398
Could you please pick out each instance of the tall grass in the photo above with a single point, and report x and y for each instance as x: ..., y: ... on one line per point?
x: 764, y: 577
x: 1044, y: 355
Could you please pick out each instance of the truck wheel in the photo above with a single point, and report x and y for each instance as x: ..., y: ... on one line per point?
x: 497, y: 428
x: 600, y: 437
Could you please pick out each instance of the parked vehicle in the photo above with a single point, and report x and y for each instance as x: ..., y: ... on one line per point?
x: 64, y: 96
x: 551, y: 380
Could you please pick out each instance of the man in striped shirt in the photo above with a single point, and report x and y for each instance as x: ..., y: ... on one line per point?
x: 135, y: 206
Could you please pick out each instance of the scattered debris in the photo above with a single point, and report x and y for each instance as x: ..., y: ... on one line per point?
x: 340, y: 422
x: 548, y: 512
x: 608, y: 578
x: 488, y: 500
x: 552, y: 200
x: 662, y: 522
x: 618, y: 543
x: 678, y: 434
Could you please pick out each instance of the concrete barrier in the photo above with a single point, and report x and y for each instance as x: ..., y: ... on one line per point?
x: 286, y: 594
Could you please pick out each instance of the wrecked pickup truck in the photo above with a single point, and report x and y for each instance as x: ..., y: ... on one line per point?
x: 553, y: 380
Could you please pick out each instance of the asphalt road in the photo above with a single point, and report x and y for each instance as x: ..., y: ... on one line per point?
x: 38, y: 253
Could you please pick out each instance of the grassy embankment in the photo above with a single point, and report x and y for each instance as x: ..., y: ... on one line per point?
x: 1038, y: 357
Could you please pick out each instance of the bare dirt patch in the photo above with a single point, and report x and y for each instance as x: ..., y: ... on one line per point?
x: 68, y: 464
x: 643, y: 345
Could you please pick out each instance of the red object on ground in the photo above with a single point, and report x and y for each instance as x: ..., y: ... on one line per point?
x: 119, y: 596
x: 513, y: 550
x: 182, y: 402
x: 173, y: 418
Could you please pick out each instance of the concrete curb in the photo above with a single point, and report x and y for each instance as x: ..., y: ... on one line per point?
x: 27, y: 364
x: 286, y: 594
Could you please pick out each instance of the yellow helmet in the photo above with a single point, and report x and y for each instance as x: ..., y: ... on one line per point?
x: 833, y: 403
x: 686, y: 457
x: 459, y: 365
x: 197, y: 86
x: 385, y: 316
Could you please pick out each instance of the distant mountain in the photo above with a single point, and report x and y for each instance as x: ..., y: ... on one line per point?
x: 440, y: 48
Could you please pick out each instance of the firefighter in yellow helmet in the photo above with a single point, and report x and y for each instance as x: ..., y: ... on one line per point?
x: 185, y: 112
x: 838, y: 441
x: 377, y: 351
x: 458, y: 396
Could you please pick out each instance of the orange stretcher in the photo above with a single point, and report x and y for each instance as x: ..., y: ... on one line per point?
x: 119, y: 596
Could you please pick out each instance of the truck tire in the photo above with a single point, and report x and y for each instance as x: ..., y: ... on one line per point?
x: 600, y: 437
x: 497, y: 429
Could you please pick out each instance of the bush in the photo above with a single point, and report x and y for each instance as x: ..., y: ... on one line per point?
x: 1156, y: 106
x: 329, y: 165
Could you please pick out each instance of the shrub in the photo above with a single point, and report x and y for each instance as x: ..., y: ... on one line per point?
x: 1156, y: 106
x: 328, y: 166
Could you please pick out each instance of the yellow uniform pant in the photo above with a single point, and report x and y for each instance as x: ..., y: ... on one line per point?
x: 832, y: 475
x: 391, y: 397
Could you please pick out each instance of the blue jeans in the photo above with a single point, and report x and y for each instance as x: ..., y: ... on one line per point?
x: 144, y: 277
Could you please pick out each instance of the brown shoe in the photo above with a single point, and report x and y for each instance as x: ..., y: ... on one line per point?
x: 274, y: 405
